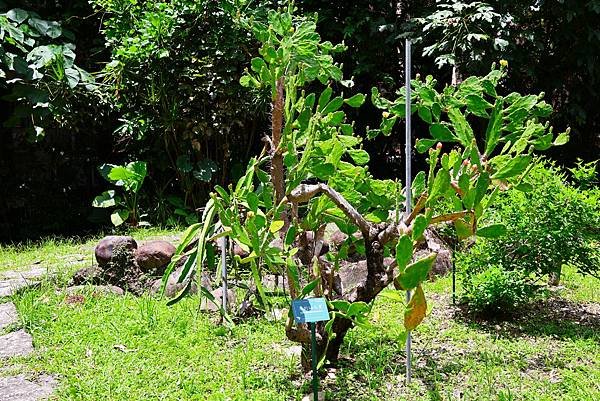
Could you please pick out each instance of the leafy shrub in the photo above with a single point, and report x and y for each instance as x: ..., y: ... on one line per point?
x: 548, y: 223
x: 130, y: 178
x: 497, y: 291
x: 585, y: 175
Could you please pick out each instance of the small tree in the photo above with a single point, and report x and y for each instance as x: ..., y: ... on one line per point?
x: 319, y: 178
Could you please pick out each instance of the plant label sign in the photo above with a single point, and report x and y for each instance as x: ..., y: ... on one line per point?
x: 310, y: 310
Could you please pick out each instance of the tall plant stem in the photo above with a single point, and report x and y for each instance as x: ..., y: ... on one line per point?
x: 277, y: 172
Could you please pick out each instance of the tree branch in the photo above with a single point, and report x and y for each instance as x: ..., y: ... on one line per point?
x: 304, y: 192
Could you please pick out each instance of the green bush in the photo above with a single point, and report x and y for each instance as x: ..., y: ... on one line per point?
x: 497, y: 291
x: 549, y: 223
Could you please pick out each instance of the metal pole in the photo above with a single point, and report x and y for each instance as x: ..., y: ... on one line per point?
x: 315, y: 380
x: 224, y: 270
x: 408, y: 173
x: 453, y: 283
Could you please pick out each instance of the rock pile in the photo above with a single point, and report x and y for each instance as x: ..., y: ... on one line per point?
x: 131, y: 267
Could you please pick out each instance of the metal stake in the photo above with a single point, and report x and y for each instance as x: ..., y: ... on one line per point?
x: 315, y: 380
x: 408, y: 173
x: 224, y: 270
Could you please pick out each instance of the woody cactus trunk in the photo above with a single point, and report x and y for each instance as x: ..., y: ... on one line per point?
x: 319, y: 181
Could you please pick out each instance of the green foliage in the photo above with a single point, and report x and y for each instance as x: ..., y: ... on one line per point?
x: 585, y: 175
x: 463, y: 32
x: 172, y: 77
x: 37, y: 68
x: 496, y: 291
x: 130, y: 178
x: 550, y: 225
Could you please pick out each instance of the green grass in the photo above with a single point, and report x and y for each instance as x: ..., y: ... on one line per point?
x: 127, y: 348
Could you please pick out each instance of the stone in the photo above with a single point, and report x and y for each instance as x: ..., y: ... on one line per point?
x: 17, y: 343
x: 443, y: 261
x: 154, y: 255
x: 310, y: 397
x: 208, y: 305
x: 8, y: 315
x: 95, y: 289
x: 20, y: 388
x: 87, y: 275
x: 172, y: 287
x: 104, y: 249
x: 10, y: 287
x: 35, y: 273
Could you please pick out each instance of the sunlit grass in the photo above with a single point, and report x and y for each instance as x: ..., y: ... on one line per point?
x: 134, y: 349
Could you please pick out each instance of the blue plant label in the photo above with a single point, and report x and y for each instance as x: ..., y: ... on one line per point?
x: 310, y: 310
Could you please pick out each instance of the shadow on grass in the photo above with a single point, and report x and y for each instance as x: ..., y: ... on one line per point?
x: 556, y: 317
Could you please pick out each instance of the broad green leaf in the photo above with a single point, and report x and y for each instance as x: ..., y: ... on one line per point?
x: 333, y: 106
x: 106, y: 199
x: 17, y: 15
x: 257, y: 64
x: 442, y: 133
x: 324, y: 98
x: 340, y: 305
x: 119, y: 217
x: 419, y: 226
x: 492, y: 231
x: 524, y: 187
x: 72, y: 76
x: 513, y: 167
x: 424, y: 144
x: 463, y: 130
x: 494, y: 128
x: 253, y: 201
x: 276, y: 225
x: 360, y: 157
x: 290, y: 236
x: 404, y: 251
x: 463, y: 229
x: 308, y: 288
x: 441, y: 184
x: 478, y: 105
x: 394, y: 295
x: 416, y: 272
x: 358, y: 308
x: 323, y: 170
x: 356, y: 100
x: 416, y: 310
x: 425, y: 114
x: 561, y: 139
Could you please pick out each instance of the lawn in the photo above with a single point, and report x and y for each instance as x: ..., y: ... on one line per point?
x: 127, y: 348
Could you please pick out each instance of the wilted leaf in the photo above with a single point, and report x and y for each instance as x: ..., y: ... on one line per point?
x: 415, y: 310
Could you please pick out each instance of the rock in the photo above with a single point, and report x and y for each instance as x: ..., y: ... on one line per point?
x: 35, y: 273
x: 95, y: 289
x: 443, y: 262
x: 208, y: 305
x: 19, y: 388
x: 87, y: 275
x: 173, y: 287
x: 10, y: 287
x: 17, y: 343
x: 310, y: 397
x: 154, y: 255
x: 8, y: 315
x: 105, y: 248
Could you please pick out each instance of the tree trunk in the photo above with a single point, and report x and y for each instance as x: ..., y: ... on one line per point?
x: 554, y: 277
x: 277, y: 172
